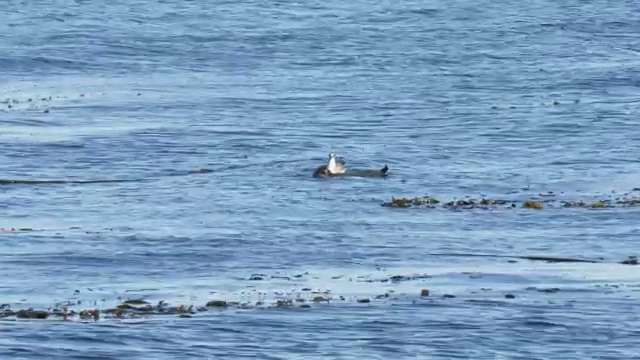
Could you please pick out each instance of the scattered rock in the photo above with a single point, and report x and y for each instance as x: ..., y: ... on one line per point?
x: 319, y: 298
x: 407, y: 202
x: 217, y: 303
x: 135, y: 302
x: 284, y: 303
x: 32, y: 314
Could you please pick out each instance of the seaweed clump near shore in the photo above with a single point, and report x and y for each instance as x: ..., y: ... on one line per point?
x: 531, y: 204
x: 297, y: 299
x: 487, y: 203
x: 412, y: 202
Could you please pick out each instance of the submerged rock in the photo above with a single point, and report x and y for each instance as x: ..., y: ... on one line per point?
x: 631, y: 260
x: 32, y: 314
x: 217, y: 303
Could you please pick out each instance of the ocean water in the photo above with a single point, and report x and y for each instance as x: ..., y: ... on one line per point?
x: 502, y: 99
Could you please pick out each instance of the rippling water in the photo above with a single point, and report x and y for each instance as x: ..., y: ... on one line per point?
x: 497, y: 99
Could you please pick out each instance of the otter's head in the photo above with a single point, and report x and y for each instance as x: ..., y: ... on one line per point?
x: 322, y: 171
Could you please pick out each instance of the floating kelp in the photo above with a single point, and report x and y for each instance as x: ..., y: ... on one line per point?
x: 530, y: 204
x: 486, y: 203
x: 126, y: 311
x: 296, y: 299
x: 582, y: 204
x: 407, y: 202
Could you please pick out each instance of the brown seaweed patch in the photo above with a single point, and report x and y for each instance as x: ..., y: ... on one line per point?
x: 581, y: 204
x: 472, y: 203
x: 486, y: 203
x: 136, y: 308
x: 531, y: 204
x: 409, y: 202
x: 320, y: 298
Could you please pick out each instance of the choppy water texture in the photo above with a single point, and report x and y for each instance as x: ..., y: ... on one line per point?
x: 497, y: 99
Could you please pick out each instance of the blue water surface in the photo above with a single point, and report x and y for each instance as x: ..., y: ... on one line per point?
x: 500, y: 99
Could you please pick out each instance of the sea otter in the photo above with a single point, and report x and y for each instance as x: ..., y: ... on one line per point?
x: 336, y: 168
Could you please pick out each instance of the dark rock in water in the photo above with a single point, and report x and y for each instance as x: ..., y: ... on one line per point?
x: 447, y: 296
x: 32, y: 314
x: 424, y: 292
x: 631, y: 260
x: 280, y: 277
x: 319, y: 298
x: 549, y: 290
x: 135, y: 302
x: 217, y: 303
x: 510, y: 296
x: 284, y: 303
x: 364, y: 301
x: 86, y: 314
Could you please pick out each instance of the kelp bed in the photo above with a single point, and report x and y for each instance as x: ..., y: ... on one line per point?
x: 306, y: 298
x: 299, y: 298
x: 484, y: 203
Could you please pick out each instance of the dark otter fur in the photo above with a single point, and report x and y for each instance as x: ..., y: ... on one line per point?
x: 322, y: 171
